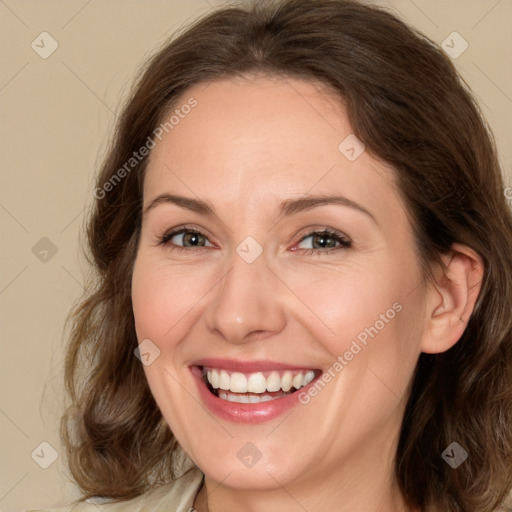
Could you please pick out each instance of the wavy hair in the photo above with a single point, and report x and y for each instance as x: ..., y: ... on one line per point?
x: 406, y: 102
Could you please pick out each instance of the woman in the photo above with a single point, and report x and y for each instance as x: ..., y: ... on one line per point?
x: 304, y: 275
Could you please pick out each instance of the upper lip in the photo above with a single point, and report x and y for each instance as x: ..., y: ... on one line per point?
x: 237, y: 365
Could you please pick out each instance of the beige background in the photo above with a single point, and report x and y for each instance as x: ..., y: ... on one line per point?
x: 56, y: 116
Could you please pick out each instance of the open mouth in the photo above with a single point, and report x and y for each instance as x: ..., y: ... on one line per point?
x: 256, y: 387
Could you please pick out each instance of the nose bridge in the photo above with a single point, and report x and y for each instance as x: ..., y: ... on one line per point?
x: 245, y: 298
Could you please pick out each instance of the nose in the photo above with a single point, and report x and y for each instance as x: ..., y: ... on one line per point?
x: 246, y: 304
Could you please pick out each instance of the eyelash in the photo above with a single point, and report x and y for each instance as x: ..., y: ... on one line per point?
x: 345, y: 243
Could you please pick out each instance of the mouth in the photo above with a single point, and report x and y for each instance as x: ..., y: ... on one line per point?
x: 251, y: 391
x: 255, y: 387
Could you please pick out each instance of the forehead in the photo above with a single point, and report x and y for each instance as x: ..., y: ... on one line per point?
x: 260, y: 138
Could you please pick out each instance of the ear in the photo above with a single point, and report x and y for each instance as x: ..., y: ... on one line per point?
x: 451, y: 300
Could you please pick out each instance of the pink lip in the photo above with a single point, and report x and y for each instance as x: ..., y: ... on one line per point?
x: 246, y: 413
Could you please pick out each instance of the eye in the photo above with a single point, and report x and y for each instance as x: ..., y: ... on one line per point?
x: 325, y: 241
x: 189, y: 237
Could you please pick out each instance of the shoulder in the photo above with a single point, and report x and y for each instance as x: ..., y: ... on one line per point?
x: 178, y: 494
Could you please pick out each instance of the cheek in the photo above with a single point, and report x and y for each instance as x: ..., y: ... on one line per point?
x: 368, y: 318
x: 353, y: 302
x: 163, y: 298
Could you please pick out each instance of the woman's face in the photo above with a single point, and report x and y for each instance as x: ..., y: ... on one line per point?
x: 250, y: 289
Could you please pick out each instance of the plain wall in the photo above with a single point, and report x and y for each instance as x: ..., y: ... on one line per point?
x: 57, y: 114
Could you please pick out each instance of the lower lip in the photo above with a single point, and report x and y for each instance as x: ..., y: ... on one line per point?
x: 245, y: 413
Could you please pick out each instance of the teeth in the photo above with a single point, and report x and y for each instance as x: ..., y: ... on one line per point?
x: 237, y: 382
x: 244, y: 398
x: 256, y: 383
x: 213, y: 378
x: 273, y: 382
x: 224, y: 380
x: 297, y: 381
x: 308, y: 377
x: 286, y: 381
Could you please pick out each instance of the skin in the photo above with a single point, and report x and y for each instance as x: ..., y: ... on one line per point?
x: 247, y: 146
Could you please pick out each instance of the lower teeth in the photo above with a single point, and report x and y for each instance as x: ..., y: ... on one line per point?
x: 249, y: 398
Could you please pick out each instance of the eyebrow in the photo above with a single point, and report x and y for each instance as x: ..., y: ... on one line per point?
x: 287, y: 207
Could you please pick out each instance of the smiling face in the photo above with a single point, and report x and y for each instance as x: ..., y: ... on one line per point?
x: 250, y: 278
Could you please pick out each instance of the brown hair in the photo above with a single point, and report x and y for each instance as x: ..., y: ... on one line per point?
x: 408, y: 105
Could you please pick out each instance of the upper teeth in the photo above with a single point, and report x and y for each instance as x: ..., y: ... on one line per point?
x: 257, y: 382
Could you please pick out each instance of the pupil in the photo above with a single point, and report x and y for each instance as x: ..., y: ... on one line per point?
x: 322, y: 239
x: 191, y: 237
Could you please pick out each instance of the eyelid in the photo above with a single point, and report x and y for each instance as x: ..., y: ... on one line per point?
x: 311, y: 230
x: 344, y: 240
x: 172, y: 232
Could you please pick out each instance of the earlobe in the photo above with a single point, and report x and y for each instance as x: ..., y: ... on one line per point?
x: 451, y: 300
